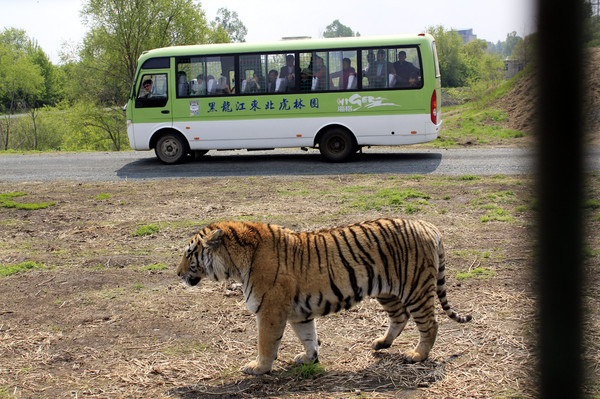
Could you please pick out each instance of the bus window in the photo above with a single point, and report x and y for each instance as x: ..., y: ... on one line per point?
x: 287, y: 72
x: 407, y: 67
x: 218, y: 75
x: 314, y: 75
x: 152, y: 91
x: 252, y: 73
x: 379, y: 72
x: 392, y: 68
x: 191, y: 81
x: 342, y: 70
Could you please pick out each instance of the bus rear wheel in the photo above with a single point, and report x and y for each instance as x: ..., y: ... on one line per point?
x: 170, y: 149
x: 336, y: 145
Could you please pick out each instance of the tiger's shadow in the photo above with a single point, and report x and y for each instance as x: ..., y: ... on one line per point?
x: 389, y: 372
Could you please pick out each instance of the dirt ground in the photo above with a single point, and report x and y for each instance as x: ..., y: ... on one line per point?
x: 106, y: 316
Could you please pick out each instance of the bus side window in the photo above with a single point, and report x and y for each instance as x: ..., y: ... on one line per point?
x: 152, y: 91
x: 314, y: 75
x: 342, y: 74
x: 407, y: 67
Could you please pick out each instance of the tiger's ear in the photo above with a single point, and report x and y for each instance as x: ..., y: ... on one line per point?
x: 213, y: 239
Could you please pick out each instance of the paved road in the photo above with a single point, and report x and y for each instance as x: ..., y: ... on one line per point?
x: 144, y: 165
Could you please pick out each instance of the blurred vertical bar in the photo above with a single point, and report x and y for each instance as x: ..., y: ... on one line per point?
x: 560, y: 132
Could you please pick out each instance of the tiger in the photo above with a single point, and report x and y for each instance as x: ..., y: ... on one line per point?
x: 293, y: 277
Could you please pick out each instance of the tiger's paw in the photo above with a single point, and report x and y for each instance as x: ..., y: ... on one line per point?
x: 380, y: 343
x: 254, y: 368
x: 414, y: 356
x: 303, y: 358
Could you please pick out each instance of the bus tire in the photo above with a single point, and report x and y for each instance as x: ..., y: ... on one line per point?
x: 337, y: 145
x: 170, y: 148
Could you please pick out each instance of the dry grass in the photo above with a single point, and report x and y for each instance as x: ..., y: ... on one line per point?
x: 100, y: 323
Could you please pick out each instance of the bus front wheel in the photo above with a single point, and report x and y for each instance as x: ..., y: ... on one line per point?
x: 170, y: 149
x: 336, y: 145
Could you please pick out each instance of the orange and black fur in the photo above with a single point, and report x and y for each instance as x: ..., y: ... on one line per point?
x: 293, y: 277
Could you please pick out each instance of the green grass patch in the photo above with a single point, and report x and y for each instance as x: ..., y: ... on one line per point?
x: 154, y: 267
x: 591, y: 204
x: 306, y: 371
x: 6, y: 202
x: 496, y: 214
x: 478, y: 272
x: 146, y: 230
x: 102, y: 196
x: 394, y: 198
x: 9, y: 270
x: 470, y: 123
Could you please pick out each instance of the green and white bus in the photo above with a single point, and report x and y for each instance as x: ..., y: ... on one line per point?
x: 337, y: 95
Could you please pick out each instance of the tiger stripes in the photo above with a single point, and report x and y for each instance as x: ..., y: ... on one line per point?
x: 293, y: 277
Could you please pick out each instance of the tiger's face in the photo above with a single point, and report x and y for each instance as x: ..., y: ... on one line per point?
x: 198, y: 257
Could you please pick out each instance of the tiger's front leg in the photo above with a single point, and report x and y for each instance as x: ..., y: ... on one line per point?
x: 307, y: 333
x: 270, y: 331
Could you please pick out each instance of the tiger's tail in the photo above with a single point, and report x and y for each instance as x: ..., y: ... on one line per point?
x: 441, y: 288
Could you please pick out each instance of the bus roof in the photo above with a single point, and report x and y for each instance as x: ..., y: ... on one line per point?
x: 288, y: 45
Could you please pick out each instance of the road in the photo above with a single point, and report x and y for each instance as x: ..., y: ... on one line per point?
x: 114, y: 166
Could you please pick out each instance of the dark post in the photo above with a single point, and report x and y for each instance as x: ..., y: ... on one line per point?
x: 560, y: 132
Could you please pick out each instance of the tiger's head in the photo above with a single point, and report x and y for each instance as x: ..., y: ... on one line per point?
x: 200, y: 260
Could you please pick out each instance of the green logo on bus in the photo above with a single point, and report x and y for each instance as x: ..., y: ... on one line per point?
x: 356, y: 102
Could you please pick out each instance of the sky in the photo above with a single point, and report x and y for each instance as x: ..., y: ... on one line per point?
x: 54, y: 23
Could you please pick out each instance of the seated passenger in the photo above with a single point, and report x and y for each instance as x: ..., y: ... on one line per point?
x: 197, y: 86
x: 378, y: 71
x: 404, y: 70
x: 288, y: 72
x: 272, y: 83
x: 183, y: 88
x: 256, y: 84
x: 344, y: 74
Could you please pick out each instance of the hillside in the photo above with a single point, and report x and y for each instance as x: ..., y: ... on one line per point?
x: 519, y: 104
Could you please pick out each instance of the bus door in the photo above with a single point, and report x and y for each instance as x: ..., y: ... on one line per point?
x: 152, y: 104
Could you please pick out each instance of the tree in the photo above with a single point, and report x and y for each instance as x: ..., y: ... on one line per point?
x: 337, y: 29
x: 512, y: 39
x: 231, y: 24
x: 452, y: 66
x: 122, y: 29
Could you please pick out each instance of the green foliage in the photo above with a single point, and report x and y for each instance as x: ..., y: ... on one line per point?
x: 10, y: 269
x: 146, y: 230
x: 231, y: 25
x: 6, y: 202
x: 337, y: 29
x: 120, y: 30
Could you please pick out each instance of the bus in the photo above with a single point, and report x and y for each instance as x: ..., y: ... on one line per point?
x: 338, y: 95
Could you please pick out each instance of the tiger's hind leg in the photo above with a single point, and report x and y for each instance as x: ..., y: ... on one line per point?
x: 307, y: 333
x: 423, y: 313
x: 398, y: 318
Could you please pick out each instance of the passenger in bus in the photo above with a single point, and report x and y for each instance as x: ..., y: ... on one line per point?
x: 272, y: 84
x: 344, y: 74
x: 183, y: 88
x: 378, y: 70
x: 147, y: 89
x: 320, y: 73
x: 197, y: 86
x: 288, y: 72
x: 257, y: 83
x: 404, y: 70
x: 414, y: 80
